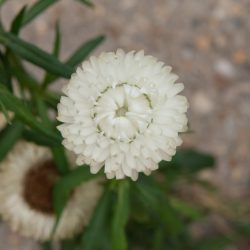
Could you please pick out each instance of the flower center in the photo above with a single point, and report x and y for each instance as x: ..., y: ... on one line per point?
x: 121, y: 111
x: 38, y: 186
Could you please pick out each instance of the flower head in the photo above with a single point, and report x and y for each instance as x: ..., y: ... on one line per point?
x: 27, y: 178
x: 123, y: 112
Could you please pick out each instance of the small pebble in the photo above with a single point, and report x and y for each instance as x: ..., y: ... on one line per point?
x: 202, y: 104
x: 224, y: 68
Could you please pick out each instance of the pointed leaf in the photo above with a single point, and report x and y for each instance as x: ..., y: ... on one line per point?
x: 193, y: 160
x: 60, y: 159
x: 14, y: 104
x: 57, y: 42
x: 186, y: 161
x: 39, y: 139
x: 6, y: 71
x: 35, y: 55
x: 56, y: 50
x: 65, y: 186
x: 9, y: 137
x: 39, y: 7
x: 5, y: 112
x: 17, y: 22
x: 94, y: 230
x: 25, y: 79
x: 52, y: 98
x: 155, y: 201
x: 81, y: 53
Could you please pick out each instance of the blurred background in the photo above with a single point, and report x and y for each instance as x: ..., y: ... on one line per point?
x: 207, y: 43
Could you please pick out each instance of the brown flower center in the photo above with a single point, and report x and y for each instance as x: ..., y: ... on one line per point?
x: 38, y: 186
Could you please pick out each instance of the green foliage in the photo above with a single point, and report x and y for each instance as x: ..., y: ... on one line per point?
x: 84, y: 50
x: 189, y: 161
x: 91, y: 238
x: 5, y: 71
x: 38, y: 138
x: 154, y: 200
x: 22, y: 113
x: 56, y: 51
x: 8, y: 137
x: 186, y: 163
x: 67, y: 183
x: 79, y: 55
x: 38, y: 8
x: 60, y: 159
x: 17, y: 22
x: 35, y: 55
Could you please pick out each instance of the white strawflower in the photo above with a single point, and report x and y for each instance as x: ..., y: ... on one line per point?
x: 123, y: 112
x: 27, y: 177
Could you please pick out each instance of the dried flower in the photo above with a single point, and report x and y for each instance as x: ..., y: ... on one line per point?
x: 27, y: 178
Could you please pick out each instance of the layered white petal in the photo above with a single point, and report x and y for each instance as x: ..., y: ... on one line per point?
x: 123, y: 111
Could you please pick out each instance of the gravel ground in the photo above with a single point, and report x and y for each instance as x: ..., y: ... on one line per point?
x: 206, y: 42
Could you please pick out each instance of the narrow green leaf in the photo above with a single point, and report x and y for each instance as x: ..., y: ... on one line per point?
x: 194, y: 160
x: 80, y: 54
x: 84, y: 50
x: 120, y: 218
x: 186, y: 162
x: 56, y: 50
x: 6, y: 71
x: 87, y: 2
x: 57, y: 42
x: 14, y: 104
x: 52, y: 98
x: 25, y: 79
x: 58, y: 152
x: 8, y: 138
x: 35, y: 55
x: 155, y: 201
x: 5, y: 112
x: 94, y: 230
x: 42, y: 110
x: 60, y: 159
x: 39, y: 139
x: 36, y: 9
x: 66, y: 184
x: 17, y: 22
